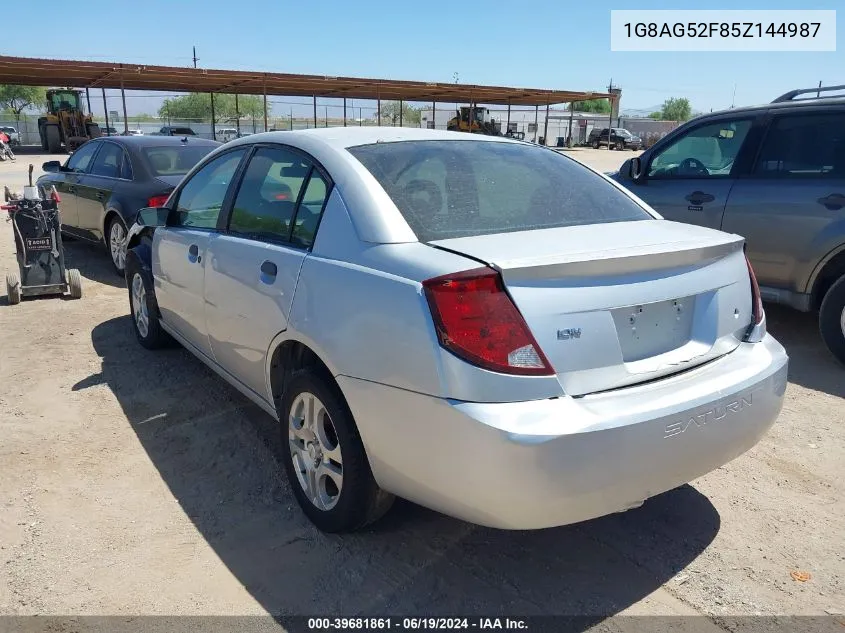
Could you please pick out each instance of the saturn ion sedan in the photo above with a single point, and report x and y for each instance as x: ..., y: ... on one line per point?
x: 483, y: 326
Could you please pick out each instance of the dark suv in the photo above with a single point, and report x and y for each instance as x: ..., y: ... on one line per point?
x: 614, y: 138
x: 168, y: 130
x: 775, y: 174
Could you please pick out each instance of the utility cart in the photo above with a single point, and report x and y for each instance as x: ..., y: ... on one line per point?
x: 36, y: 224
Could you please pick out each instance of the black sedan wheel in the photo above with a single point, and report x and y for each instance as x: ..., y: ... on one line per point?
x: 117, y: 244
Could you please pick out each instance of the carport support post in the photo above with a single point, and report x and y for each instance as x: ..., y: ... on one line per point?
x: 237, y: 116
x: 536, y: 120
x: 434, y: 115
x: 508, y: 126
x: 315, y: 111
x: 546, y: 127
x: 213, y: 127
x: 105, y: 110
x: 378, y: 109
x: 88, y: 99
x: 265, y: 105
x: 400, y: 112
x: 571, y: 114
x: 344, y: 112
x: 123, y: 98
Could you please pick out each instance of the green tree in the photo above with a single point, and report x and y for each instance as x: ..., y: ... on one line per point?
x: 197, y: 105
x: 656, y: 116
x: 390, y: 113
x: 597, y: 106
x: 676, y: 109
x: 16, y: 99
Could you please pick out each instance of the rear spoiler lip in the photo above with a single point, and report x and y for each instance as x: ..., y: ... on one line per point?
x: 612, y: 262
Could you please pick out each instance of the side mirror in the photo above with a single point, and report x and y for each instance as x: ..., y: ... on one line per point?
x: 52, y: 166
x: 152, y: 216
x: 636, y: 169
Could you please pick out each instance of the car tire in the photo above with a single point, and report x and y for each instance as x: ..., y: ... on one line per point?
x: 143, y: 307
x: 324, y: 457
x: 53, y: 138
x: 832, y: 320
x: 13, y: 288
x: 595, y: 144
x: 116, y: 243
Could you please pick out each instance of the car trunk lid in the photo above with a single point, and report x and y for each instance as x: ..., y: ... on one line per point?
x: 622, y: 303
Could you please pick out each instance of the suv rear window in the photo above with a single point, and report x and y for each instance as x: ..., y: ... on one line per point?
x: 448, y: 189
x: 174, y: 160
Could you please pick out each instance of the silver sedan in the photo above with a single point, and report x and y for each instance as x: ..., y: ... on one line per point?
x: 482, y: 326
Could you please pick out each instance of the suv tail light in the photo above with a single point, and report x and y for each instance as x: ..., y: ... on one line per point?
x: 476, y: 320
x: 158, y: 201
x: 757, y: 312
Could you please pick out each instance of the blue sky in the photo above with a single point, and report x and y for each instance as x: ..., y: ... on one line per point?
x: 555, y: 44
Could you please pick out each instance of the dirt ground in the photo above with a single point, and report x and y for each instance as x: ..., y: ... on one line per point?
x: 137, y: 482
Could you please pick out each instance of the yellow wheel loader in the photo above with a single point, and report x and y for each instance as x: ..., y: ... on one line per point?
x: 479, y: 123
x: 66, y: 123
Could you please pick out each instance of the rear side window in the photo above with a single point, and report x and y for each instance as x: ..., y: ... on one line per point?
x: 804, y: 146
x: 448, y: 189
x: 266, y: 202
x: 108, y: 161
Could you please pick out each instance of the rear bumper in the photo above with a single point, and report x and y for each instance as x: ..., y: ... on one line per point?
x: 552, y: 462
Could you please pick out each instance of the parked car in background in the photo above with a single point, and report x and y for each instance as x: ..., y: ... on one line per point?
x: 226, y: 134
x: 483, y: 326
x: 134, y: 133
x: 12, y: 133
x: 109, y: 131
x: 614, y: 138
x: 168, y: 130
x: 104, y: 183
x: 774, y: 174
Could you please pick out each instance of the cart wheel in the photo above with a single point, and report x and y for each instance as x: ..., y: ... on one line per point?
x: 74, y: 281
x: 13, y: 288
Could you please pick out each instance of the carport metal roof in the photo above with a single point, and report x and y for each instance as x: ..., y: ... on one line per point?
x: 82, y: 74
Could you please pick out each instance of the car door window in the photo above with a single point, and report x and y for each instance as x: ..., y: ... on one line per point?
x: 266, y: 201
x: 80, y: 160
x: 201, y: 199
x: 126, y: 168
x: 108, y: 160
x: 310, y: 210
x: 804, y: 146
x: 708, y: 151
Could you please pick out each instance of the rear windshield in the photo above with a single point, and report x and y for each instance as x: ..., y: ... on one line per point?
x: 448, y: 189
x: 177, y: 131
x: 174, y: 160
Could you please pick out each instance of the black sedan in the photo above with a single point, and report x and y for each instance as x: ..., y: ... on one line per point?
x: 106, y: 181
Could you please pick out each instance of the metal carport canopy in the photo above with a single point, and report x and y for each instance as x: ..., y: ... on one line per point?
x: 82, y: 74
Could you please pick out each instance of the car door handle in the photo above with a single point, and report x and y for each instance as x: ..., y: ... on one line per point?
x: 99, y: 195
x: 699, y: 197
x: 833, y: 202
x: 194, y: 254
x: 268, y: 272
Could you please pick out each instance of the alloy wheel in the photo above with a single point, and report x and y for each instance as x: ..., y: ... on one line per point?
x: 117, y: 244
x: 315, y: 451
x: 139, y: 305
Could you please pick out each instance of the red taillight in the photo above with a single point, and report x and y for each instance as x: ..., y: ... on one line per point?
x: 158, y: 201
x: 476, y: 320
x: 756, y: 302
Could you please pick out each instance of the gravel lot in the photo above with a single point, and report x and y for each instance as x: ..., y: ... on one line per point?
x: 136, y: 482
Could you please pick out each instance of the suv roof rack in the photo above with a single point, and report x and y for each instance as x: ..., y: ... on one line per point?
x: 790, y: 96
